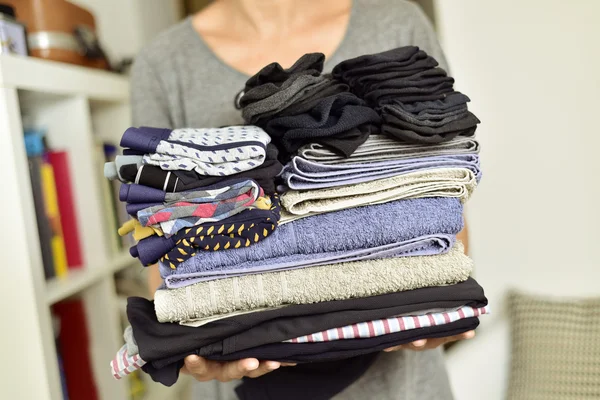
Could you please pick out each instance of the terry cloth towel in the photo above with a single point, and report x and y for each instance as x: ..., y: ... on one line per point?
x: 310, y: 285
x: 180, y: 181
x: 380, y: 327
x: 442, y: 182
x: 240, y: 230
x: 208, y: 151
x: 200, y: 206
x: 420, y: 246
x: 381, y: 148
x: 353, y: 232
x: 271, y: 99
x: 301, y: 174
x: 341, y: 122
x: 274, y: 74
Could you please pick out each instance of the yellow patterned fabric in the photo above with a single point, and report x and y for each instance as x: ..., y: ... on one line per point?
x: 139, y: 232
x: 248, y: 227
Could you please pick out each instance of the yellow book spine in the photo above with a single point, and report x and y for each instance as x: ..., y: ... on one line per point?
x: 59, y: 253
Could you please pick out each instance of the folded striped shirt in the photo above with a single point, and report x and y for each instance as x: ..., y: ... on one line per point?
x: 123, y: 364
x: 385, y: 326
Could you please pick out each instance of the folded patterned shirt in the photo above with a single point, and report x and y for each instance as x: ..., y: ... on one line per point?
x: 208, y: 151
x: 240, y: 230
x: 186, y: 209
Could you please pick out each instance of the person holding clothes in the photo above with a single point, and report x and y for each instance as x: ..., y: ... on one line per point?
x: 188, y: 77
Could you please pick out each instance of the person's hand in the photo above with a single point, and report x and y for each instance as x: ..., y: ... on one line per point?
x: 205, y: 370
x: 427, y: 344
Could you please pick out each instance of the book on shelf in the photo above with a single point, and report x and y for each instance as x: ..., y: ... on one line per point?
x: 43, y: 223
x: 47, y: 211
x: 66, y: 204
x: 59, y: 253
x: 74, y: 346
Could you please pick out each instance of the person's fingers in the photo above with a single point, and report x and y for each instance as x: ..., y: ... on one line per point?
x: 427, y: 344
x: 288, y: 364
x: 264, y: 368
x: 237, y: 369
x: 468, y: 335
x: 200, y: 368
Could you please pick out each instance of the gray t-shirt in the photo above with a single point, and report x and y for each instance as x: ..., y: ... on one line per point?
x: 177, y: 81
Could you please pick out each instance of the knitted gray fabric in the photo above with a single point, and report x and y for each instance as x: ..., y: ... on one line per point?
x: 555, y: 348
x: 381, y: 148
x: 278, y: 99
x: 132, y: 347
x: 311, y: 285
x: 442, y: 182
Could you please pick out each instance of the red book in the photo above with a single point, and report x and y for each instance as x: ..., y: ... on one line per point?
x: 66, y: 205
x: 75, y: 350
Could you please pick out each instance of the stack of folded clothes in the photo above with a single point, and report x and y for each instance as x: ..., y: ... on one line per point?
x: 191, y: 190
x: 364, y: 256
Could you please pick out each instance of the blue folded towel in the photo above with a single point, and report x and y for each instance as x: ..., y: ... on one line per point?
x: 350, y: 233
x: 303, y: 174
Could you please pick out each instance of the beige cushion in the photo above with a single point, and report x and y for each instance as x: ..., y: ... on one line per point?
x: 555, y: 351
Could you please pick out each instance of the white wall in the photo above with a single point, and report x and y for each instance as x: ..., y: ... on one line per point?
x: 532, y: 71
x: 124, y: 26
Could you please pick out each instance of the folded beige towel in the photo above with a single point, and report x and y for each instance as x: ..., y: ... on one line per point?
x: 311, y: 285
x: 439, y: 182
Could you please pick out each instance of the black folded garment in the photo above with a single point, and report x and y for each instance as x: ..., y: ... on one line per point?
x: 165, y: 345
x: 274, y: 74
x: 312, y: 97
x: 413, y: 133
x: 347, y: 348
x: 342, y: 122
x: 324, y: 352
x: 401, y: 58
x: 180, y: 181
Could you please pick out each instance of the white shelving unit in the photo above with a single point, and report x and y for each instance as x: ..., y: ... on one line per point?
x: 75, y: 105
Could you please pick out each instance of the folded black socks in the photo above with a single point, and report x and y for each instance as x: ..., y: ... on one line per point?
x: 414, y: 97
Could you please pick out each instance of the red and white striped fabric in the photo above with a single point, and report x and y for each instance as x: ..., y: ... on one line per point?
x: 391, y: 325
x: 123, y: 364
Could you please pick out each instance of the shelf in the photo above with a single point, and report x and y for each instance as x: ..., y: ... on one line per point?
x: 79, y: 279
x: 37, y: 75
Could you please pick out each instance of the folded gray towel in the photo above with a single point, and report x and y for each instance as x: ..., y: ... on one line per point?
x: 442, y: 182
x: 380, y: 148
x: 311, y: 285
x: 302, y: 174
